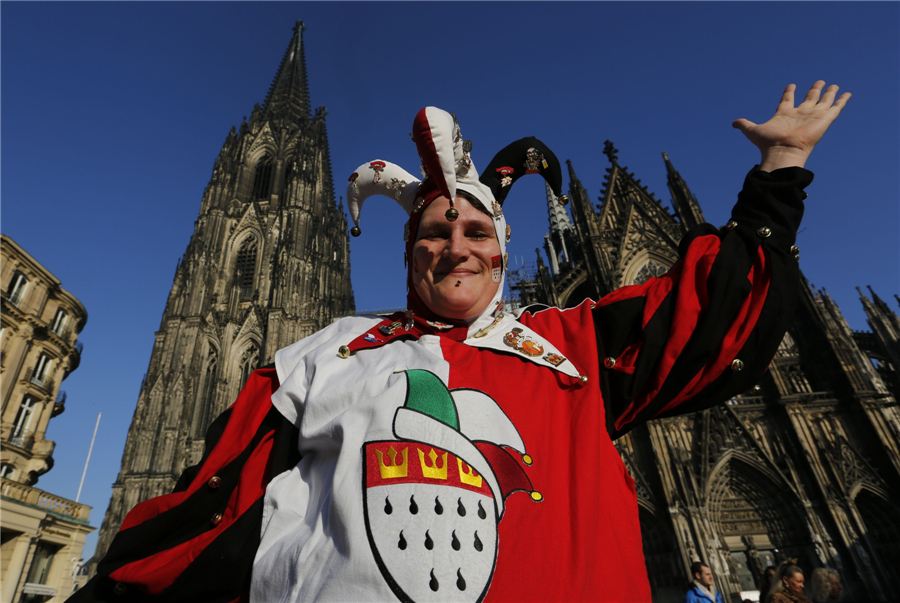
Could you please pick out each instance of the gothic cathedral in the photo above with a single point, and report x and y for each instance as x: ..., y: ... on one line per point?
x: 805, y: 465
x: 268, y: 264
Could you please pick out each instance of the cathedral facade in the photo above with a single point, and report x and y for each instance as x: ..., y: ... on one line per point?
x: 268, y: 264
x: 805, y: 465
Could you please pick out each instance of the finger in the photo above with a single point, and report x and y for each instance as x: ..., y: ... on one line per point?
x: 744, y: 125
x: 787, y: 99
x: 839, y: 105
x: 829, y: 95
x: 812, y: 97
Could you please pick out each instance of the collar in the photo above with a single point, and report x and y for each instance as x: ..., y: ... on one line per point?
x: 498, y: 331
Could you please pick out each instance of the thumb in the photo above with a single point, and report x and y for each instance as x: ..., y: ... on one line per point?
x: 744, y: 125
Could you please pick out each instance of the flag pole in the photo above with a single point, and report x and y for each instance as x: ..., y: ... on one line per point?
x: 88, y: 460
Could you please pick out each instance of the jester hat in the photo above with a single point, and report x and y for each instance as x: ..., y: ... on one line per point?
x: 448, y: 168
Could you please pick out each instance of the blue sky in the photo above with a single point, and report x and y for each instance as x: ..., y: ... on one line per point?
x: 113, y: 113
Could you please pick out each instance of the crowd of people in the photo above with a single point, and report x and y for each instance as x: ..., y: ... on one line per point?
x: 783, y: 584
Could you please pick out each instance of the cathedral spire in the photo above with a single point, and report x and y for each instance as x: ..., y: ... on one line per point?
x: 288, y: 96
x: 683, y: 200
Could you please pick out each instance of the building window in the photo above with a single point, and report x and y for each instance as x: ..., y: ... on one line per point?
x: 42, y: 370
x: 59, y: 321
x: 41, y: 563
x: 17, y: 289
x: 7, y: 470
x: 23, y: 421
x: 649, y: 270
x: 263, y: 179
x: 245, y: 267
x: 207, y: 407
x: 248, y: 364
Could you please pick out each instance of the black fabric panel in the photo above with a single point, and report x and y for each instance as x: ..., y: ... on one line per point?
x: 221, y: 573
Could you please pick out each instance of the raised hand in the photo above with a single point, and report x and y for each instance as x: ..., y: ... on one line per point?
x: 788, y: 138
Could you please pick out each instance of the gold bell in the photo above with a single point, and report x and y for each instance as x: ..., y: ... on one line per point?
x: 355, y: 231
x: 451, y: 214
x: 563, y: 199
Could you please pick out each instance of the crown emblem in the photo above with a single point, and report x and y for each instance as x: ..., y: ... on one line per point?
x: 468, y: 475
x: 393, y: 470
x: 434, y: 472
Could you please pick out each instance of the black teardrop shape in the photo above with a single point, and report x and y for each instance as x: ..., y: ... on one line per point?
x: 455, y: 542
x: 429, y: 543
x: 413, y: 507
x: 438, y: 507
x: 388, y: 509
x: 481, y: 512
x: 460, y: 581
x: 402, y: 544
x: 433, y: 583
x: 478, y: 546
x: 460, y: 508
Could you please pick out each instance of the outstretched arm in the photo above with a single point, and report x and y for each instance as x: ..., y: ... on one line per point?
x: 788, y: 138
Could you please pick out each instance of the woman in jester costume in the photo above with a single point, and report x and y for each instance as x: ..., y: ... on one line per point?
x: 396, y: 458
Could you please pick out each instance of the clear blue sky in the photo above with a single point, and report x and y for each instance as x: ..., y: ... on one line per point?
x: 113, y: 114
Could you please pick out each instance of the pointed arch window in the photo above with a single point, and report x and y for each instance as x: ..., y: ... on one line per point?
x: 245, y: 267
x: 649, y: 270
x: 262, y: 181
x: 17, y: 288
x: 248, y: 364
x: 288, y: 174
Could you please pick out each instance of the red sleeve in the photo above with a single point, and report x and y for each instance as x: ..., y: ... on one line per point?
x: 198, y: 543
x: 706, y: 330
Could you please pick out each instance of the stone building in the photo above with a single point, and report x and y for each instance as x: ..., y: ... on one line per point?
x: 42, y: 534
x: 268, y: 264
x: 805, y: 465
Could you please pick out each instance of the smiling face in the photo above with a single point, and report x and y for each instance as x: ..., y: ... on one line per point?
x: 452, y: 261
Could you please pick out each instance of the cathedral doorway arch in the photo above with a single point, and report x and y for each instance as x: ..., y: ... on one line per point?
x: 758, y: 518
x: 881, y: 519
x: 662, y: 557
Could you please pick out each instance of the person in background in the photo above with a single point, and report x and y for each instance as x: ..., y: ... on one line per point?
x: 825, y: 585
x: 787, y: 586
x: 701, y: 589
x: 765, y: 585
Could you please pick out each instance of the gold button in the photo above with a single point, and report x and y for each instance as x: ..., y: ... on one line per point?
x: 355, y: 231
x: 731, y: 225
x: 216, y: 519
x: 214, y: 482
x: 609, y: 362
x: 119, y: 589
x: 737, y: 364
x: 536, y: 496
x: 583, y: 379
x: 795, y: 251
x: 563, y: 199
x: 755, y: 389
x: 344, y: 351
x: 764, y: 232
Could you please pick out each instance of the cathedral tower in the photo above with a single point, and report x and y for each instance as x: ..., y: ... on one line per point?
x: 268, y: 264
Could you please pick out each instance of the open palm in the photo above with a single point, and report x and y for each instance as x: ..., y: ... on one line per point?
x: 793, y: 131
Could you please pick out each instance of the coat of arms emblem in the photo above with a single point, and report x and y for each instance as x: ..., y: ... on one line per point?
x: 434, y: 497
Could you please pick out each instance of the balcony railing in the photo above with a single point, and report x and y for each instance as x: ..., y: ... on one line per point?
x: 42, y: 381
x: 39, y: 499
